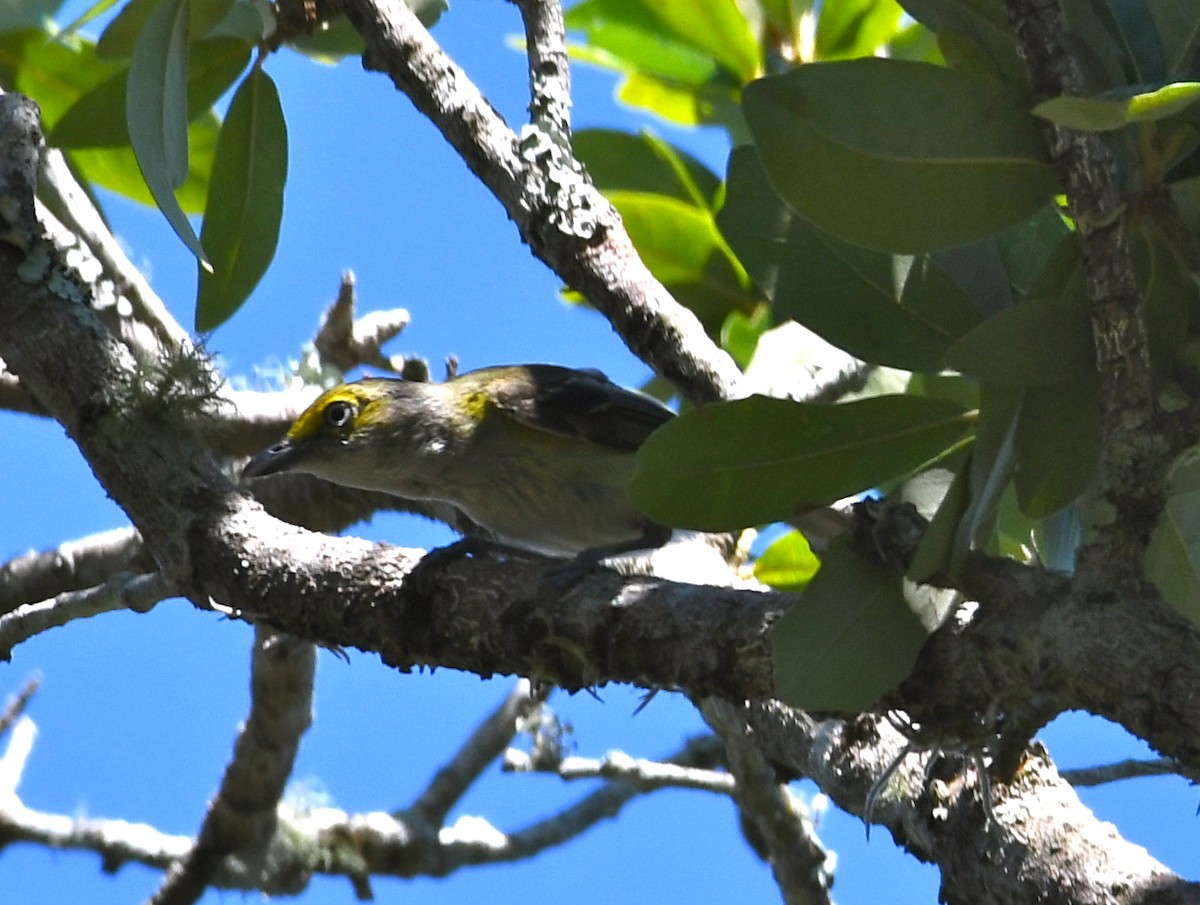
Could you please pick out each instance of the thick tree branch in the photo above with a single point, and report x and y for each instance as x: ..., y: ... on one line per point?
x: 1134, y: 452
x: 567, y: 223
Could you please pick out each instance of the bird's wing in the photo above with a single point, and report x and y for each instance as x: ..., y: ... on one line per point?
x: 583, y: 404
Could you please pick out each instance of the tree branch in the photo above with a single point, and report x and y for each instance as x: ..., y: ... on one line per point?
x: 565, y: 221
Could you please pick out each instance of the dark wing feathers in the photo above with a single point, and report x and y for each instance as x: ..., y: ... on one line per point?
x: 581, y: 404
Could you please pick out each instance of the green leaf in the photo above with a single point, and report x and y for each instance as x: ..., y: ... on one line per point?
x: 850, y: 637
x: 973, y: 33
x: 855, y: 28
x: 1106, y: 114
x: 156, y: 111
x: 681, y: 245
x: 991, y: 467
x: 765, y: 460
x: 1178, y: 26
x: 1045, y: 340
x: 788, y: 564
x: 740, y: 333
x: 626, y: 36
x: 17, y: 15
x: 887, y: 309
x: 717, y: 27
x: 245, y: 200
x: 1168, y: 289
x: 117, y: 169
x: 683, y: 105
x: 1173, y: 557
x: 120, y: 38
x: 937, y: 547
x: 899, y: 156
x: 644, y: 163
x: 1057, y: 445
x: 98, y: 118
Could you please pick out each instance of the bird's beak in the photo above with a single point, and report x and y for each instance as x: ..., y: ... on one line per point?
x: 281, y: 456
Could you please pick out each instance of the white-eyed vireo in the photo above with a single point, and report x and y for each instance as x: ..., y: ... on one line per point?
x: 539, y: 455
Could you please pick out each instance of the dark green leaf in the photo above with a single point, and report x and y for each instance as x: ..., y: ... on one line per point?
x: 97, y: 119
x: 974, y: 34
x: 156, y: 111
x: 850, y: 637
x: 886, y: 309
x: 899, y: 156
x: 1173, y: 557
x: 765, y: 460
x: 788, y: 564
x: 1057, y: 445
x: 1132, y: 29
x: 245, y: 200
x: 1168, y: 290
x: 1178, y: 25
x: 1045, y: 340
x: 644, y: 163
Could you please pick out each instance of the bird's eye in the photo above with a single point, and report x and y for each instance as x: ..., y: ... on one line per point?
x: 339, y: 415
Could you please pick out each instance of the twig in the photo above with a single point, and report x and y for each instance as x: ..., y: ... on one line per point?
x: 483, y: 746
x: 242, y: 818
x: 72, y: 566
x: 16, y: 705
x: 775, y: 823
x: 549, y: 67
x: 646, y: 774
x: 123, y: 591
x: 1122, y: 769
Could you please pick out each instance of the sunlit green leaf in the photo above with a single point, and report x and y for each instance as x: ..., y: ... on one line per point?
x: 245, y: 200
x: 1105, y: 114
x: 156, y: 111
x: 120, y: 37
x: 855, y: 28
x: 899, y: 156
x: 764, y: 460
x: 98, y: 118
x: 681, y: 245
x: 741, y: 332
x: 788, y: 564
x: 644, y: 163
x: 850, y: 637
x: 625, y: 35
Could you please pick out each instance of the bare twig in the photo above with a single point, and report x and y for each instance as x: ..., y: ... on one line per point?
x: 242, y: 818
x: 774, y: 821
x: 122, y: 591
x: 549, y: 67
x: 15, y: 706
x: 483, y: 746
x: 1122, y: 769
x: 71, y: 566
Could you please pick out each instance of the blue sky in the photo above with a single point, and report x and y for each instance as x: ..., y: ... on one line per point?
x: 137, y: 714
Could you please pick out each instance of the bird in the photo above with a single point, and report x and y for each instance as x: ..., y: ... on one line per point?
x: 540, y: 456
